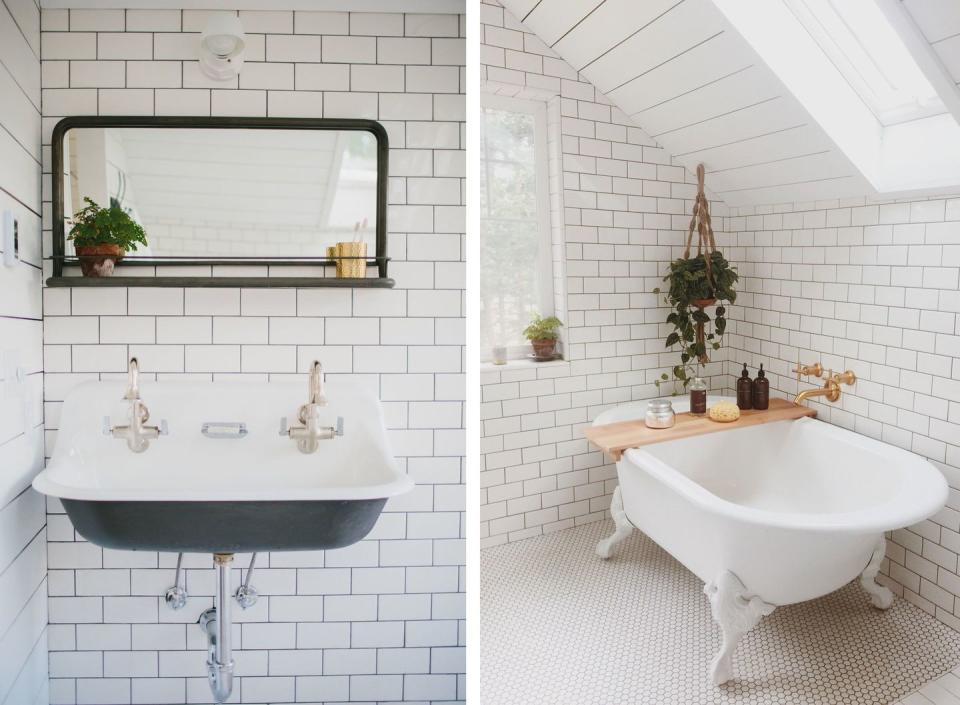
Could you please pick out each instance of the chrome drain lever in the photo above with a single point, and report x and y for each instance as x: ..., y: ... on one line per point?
x: 247, y: 594
x: 176, y: 596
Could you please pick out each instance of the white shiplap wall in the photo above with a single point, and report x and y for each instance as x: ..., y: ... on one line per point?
x: 382, y: 620
x: 624, y: 211
x: 23, y: 610
x: 870, y: 287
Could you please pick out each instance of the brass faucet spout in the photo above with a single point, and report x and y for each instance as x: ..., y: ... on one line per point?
x: 825, y: 391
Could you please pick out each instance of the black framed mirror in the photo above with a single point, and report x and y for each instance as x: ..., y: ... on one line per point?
x: 220, y: 191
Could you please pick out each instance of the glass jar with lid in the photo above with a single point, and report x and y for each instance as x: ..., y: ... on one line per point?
x: 660, y: 414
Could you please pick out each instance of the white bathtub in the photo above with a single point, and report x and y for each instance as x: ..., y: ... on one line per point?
x: 770, y: 515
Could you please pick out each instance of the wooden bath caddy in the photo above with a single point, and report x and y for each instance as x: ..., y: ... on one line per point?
x: 615, y: 438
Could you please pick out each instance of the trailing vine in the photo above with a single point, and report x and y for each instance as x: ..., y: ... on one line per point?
x: 696, y: 283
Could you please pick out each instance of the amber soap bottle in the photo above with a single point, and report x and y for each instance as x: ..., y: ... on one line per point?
x: 761, y: 391
x: 745, y: 390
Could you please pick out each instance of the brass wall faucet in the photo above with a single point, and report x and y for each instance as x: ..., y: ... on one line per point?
x: 830, y: 388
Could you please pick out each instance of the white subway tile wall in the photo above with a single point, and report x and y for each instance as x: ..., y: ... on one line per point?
x: 870, y: 287
x: 621, y: 217
x: 382, y: 620
x: 23, y: 534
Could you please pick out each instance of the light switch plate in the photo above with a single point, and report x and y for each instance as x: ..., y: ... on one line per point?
x: 11, y: 373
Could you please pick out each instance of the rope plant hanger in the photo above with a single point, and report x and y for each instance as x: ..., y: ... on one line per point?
x: 695, y: 284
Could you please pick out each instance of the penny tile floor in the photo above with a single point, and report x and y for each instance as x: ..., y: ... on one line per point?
x: 561, y: 626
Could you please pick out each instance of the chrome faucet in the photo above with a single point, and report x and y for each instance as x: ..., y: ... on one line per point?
x: 309, y: 435
x: 136, y: 433
x: 133, y: 380
x: 317, y: 394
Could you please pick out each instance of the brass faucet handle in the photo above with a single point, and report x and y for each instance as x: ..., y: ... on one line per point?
x: 847, y: 377
x: 809, y: 370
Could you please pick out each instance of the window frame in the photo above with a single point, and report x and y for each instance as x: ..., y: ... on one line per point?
x: 852, y: 70
x: 541, y: 149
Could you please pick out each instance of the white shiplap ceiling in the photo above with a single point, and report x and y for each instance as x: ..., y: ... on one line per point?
x: 695, y: 85
x: 939, y: 21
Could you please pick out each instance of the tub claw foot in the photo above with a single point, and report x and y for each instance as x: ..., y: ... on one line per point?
x: 736, y: 613
x: 880, y: 595
x: 624, y: 527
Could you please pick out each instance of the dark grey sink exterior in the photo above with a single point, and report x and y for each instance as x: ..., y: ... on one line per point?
x: 224, y: 527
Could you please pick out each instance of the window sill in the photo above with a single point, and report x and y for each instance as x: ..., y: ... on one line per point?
x: 521, y: 364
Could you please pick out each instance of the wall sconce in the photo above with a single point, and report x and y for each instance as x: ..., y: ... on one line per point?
x: 221, y: 46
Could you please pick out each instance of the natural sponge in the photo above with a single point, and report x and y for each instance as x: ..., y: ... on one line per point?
x: 724, y: 412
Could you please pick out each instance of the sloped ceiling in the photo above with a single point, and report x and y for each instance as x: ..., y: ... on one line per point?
x: 939, y: 21
x: 696, y: 86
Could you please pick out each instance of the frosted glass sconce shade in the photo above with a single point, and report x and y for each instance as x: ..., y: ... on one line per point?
x: 221, y: 46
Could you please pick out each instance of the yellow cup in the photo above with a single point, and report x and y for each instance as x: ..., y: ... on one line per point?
x: 356, y: 266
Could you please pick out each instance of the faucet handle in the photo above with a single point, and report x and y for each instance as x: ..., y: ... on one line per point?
x: 339, y: 430
x: 847, y: 377
x: 107, y: 427
x: 284, y: 431
x: 815, y: 370
x: 164, y: 430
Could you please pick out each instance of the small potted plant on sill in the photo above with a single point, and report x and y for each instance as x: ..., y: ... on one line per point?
x: 101, y: 236
x: 543, y: 334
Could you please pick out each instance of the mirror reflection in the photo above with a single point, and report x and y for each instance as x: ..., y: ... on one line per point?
x: 223, y: 193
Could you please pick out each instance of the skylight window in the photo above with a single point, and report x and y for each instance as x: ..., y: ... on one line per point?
x: 859, y: 40
x: 868, y: 79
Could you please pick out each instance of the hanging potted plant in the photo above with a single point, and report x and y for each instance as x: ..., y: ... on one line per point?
x: 101, y: 236
x: 543, y: 334
x: 694, y: 284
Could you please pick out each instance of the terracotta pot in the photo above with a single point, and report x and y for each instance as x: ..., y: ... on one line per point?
x: 98, y: 260
x: 703, y: 303
x: 544, y: 349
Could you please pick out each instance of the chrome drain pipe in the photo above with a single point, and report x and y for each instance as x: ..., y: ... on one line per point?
x: 217, y: 624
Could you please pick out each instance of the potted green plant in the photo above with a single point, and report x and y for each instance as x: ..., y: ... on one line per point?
x: 543, y: 334
x: 101, y: 236
x: 696, y: 283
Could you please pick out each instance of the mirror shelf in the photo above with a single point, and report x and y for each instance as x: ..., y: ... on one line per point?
x: 225, y: 282
x: 225, y: 201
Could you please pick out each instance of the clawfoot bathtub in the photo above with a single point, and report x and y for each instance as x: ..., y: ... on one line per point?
x: 770, y: 515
